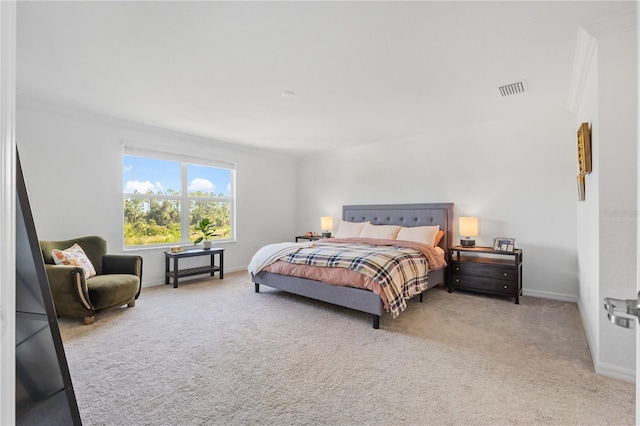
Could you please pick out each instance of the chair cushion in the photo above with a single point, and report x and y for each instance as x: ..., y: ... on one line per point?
x: 110, y: 290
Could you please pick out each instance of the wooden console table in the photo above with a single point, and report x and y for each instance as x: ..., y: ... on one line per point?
x: 179, y: 273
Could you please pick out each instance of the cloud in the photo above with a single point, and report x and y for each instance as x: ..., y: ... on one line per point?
x: 142, y: 187
x: 199, y: 184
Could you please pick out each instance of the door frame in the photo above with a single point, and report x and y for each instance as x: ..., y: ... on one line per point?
x: 638, y: 216
x: 7, y: 210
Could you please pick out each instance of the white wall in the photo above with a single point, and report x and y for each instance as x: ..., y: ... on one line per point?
x: 607, y: 219
x: 519, y: 178
x: 587, y: 222
x: 73, y: 169
x: 617, y: 88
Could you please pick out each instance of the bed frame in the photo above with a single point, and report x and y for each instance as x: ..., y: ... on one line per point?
x: 378, y: 214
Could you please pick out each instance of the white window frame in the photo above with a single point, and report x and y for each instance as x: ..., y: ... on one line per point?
x: 184, y: 197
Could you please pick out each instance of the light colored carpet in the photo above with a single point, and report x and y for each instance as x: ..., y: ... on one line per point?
x: 215, y: 352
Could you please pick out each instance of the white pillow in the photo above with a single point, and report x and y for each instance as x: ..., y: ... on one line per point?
x: 349, y: 229
x: 74, y: 256
x: 419, y: 234
x: 383, y: 232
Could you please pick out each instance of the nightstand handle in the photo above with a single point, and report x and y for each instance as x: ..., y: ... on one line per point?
x: 457, y: 280
x: 506, y: 274
x: 457, y: 268
x: 506, y: 286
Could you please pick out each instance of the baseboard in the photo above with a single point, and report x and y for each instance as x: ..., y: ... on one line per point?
x: 194, y: 277
x: 550, y: 295
x: 590, y: 342
x: 616, y: 372
x: 602, y: 368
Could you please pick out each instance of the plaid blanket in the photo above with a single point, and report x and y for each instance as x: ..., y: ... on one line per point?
x: 400, y: 271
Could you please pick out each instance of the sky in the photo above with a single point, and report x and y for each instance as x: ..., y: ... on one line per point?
x: 144, y: 174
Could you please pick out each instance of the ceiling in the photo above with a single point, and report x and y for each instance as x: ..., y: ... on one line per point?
x: 361, y: 72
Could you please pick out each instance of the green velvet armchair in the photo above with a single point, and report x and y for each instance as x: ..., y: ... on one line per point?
x: 117, y: 281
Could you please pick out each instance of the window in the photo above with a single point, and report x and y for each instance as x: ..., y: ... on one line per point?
x: 165, y: 196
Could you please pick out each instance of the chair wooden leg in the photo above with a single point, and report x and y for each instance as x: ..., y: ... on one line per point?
x: 132, y: 304
x: 89, y: 320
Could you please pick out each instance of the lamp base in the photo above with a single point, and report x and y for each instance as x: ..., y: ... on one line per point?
x: 326, y: 235
x: 467, y: 243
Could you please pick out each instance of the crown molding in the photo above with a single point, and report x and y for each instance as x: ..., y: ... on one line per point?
x: 585, y: 47
x: 586, y: 44
x: 612, y: 24
x: 35, y: 105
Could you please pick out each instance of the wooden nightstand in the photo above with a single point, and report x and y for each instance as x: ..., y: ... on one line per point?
x: 303, y: 237
x: 484, y: 270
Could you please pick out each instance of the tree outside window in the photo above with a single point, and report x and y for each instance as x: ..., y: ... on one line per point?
x: 164, y: 200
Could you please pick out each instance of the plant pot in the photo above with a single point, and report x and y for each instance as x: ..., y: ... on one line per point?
x: 206, y: 245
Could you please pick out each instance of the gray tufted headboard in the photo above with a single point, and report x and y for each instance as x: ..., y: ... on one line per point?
x: 406, y: 215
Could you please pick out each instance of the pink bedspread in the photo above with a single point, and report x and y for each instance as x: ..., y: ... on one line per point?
x: 349, y: 278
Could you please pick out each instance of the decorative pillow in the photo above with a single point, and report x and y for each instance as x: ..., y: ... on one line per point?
x: 74, y: 256
x: 383, y: 232
x: 419, y: 234
x: 349, y: 229
x: 439, y: 237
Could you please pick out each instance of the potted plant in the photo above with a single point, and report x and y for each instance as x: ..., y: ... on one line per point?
x: 206, y: 230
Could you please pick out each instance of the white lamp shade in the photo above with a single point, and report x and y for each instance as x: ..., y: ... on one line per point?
x: 326, y: 223
x: 468, y: 226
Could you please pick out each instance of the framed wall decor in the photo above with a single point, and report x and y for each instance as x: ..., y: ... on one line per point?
x: 581, y: 195
x: 504, y: 244
x: 584, y: 149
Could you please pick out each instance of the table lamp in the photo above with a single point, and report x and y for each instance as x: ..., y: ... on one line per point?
x: 468, y: 228
x: 326, y: 225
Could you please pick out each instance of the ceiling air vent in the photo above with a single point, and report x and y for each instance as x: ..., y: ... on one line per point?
x: 513, y: 88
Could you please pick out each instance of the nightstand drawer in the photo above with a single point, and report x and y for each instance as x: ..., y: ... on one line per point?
x: 483, y: 284
x: 483, y: 270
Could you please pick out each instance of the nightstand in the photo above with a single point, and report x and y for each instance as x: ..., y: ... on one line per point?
x: 485, y: 270
x: 302, y: 237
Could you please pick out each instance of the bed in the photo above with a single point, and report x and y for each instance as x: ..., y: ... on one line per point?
x: 406, y: 215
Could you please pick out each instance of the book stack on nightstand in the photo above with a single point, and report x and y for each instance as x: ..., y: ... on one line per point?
x: 485, y: 270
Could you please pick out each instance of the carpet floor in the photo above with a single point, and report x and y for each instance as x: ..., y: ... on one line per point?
x: 215, y: 352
